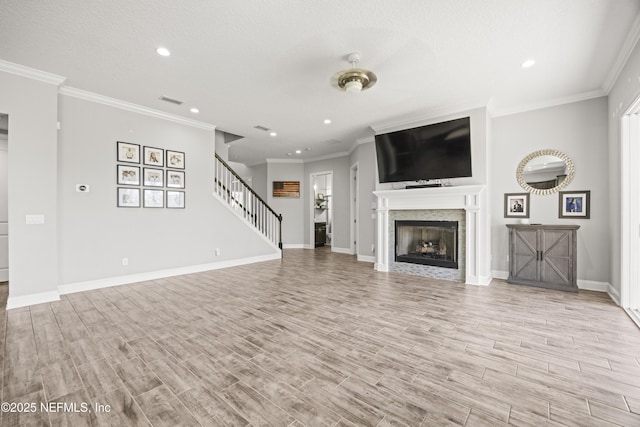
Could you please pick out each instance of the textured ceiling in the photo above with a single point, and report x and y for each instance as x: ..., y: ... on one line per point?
x: 269, y: 63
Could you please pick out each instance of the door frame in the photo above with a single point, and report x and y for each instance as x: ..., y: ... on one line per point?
x: 312, y: 201
x: 354, y: 209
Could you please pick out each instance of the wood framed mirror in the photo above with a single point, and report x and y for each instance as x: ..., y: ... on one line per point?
x: 545, y: 172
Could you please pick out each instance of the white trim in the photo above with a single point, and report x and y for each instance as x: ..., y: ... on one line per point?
x: 623, y: 55
x: 506, y: 111
x: 354, y: 213
x: 361, y: 141
x: 366, y: 258
x: 326, y: 157
x: 31, y: 73
x: 135, y: 108
x: 283, y: 161
x: 32, y: 299
x: 341, y: 250
x: 614, y: 294
x: 160, y: 274
x: 312, y: 204
x: 294, y: 246
x: 308, y: 247
x: 413, y: 120
x: 592, y: 285
x: 500, y: 274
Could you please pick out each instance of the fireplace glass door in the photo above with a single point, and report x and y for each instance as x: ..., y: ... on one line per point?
x: 427, y: 242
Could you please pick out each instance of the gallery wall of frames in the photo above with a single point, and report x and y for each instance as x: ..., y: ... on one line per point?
x: 150, y: 177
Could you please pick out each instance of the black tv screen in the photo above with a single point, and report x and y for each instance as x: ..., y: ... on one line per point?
x: 441, y: 150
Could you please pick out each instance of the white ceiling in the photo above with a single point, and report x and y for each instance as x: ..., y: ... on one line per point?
x: 269, y: 63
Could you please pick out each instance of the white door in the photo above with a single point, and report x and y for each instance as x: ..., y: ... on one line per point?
x: 4, y: 211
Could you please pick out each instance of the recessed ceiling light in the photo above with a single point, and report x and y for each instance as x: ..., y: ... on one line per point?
x: 273, y: 134
x: 163, y: 51
x: 327, y: 121
x: 528, y: 63
x: 194, y: 110
x: 298, y: 151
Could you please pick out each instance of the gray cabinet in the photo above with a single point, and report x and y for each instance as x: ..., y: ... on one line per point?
x: 543, y: 255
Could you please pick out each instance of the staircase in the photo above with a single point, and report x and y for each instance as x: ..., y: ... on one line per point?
x: 241, y: 198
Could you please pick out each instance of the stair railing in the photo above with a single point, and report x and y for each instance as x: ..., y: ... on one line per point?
x: 247, y: 203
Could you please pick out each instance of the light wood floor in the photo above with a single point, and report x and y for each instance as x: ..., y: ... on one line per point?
x: 320, y: 339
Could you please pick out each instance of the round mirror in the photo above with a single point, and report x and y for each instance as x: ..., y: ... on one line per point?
x: 545, y: 172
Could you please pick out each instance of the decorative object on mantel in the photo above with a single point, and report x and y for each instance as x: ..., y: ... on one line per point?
x: 574, y: 204
x: 286, y: 189
x: 516, y: 205
x: 543, y: 256
x: 545, y: 172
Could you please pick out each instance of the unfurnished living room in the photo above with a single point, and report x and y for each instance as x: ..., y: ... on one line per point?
x: 301, y: 213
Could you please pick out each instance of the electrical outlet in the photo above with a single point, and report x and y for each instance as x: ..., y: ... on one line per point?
x: 125, y: 261
x: 217, y: 251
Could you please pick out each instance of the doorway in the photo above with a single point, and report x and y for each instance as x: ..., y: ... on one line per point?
x: 4, y: 199
x: 354, y: 197
x: 321, y: 209
x: 630, y: 214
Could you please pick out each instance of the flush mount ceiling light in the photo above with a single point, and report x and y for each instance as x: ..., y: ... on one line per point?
x: 529, y: 63
x: 194, y: 110
x: 354, y: 79
x: 163, y: 51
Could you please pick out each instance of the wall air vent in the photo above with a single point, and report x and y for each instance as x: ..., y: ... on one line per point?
x: 171, y: 100
x: 261, y: 128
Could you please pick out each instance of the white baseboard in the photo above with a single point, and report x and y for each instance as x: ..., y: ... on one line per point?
x: 499, y: 274
x: 591, y: 285
x: 33, y: 299
x: 366, y: 258
x: 341, y: 250
x: 161, y: 274
x: 294, y: 246
x: 614, y: 294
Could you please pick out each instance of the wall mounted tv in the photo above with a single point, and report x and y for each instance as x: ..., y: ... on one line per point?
x: 440, y: 150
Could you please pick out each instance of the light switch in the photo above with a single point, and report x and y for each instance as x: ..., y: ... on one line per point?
x: 35, y: 219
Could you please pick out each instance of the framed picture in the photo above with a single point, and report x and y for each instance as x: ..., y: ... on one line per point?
x: 175, y: 199
x: 153, y: 156
x: 175, y: 179
x: 153, y: 198
x: 516, y: 205
x: 129, y: 153
x: 128, y: 175
x: 574, y: 204
x: 175, y: 159
x: 153, y: 177
x: 286, y: 189
x: 128, y: 197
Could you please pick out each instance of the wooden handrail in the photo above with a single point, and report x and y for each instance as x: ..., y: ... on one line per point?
x: 246, y: 185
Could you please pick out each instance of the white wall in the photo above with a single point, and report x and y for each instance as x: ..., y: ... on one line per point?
x: 292, y: 209
x: 260, y: 181
x: 579, y: 130
x: 32, y: 108
x: 94, y: 234
x: 340, y: 200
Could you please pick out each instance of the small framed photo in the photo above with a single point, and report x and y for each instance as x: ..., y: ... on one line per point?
x: 153, y: 198
x: 153, y: 177
x: 153, y: 156
x: 516, y: 205
x: 574, y: 204
x: 128, y: 197
x: 175, y: 199
x: 175, y: 159
x: 128, y: 175
x: 129, y: 153
x: 175, y: 179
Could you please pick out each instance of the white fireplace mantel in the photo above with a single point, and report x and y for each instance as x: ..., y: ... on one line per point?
x: 471, y: 198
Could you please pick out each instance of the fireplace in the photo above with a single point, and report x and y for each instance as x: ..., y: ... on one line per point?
x: 427, y: 242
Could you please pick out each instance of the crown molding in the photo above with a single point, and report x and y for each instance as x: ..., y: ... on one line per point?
x: 31, y: 73
x: 623, y: 56
x: 135, y: 108
x: 284, y: 161
x: 418, y: 118
x: 360, y: 141
x: 327, y: 157
x: 497, y: 112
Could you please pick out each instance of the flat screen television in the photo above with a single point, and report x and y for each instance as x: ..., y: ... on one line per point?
x: 440, y: 150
